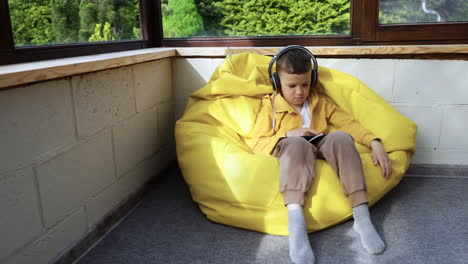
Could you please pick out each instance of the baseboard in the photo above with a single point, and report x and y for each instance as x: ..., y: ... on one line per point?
x: 437, y: 171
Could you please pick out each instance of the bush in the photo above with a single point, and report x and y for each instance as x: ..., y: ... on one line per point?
x: 181, y: 19
x: 275, y: 17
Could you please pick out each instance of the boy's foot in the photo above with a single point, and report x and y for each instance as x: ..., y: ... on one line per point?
x: 300, y: 250
x: 370, y: 239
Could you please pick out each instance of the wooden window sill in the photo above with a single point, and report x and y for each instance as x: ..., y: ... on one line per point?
x: 24, y: 73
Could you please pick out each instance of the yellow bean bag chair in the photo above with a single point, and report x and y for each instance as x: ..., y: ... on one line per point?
x: 235, y: 187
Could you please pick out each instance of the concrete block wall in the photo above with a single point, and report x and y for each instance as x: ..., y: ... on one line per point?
x: 433, y: 93
x: 197, y: 72
x: 73, y: 149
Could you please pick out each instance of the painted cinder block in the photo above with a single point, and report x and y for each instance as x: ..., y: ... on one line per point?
x: 431, y: 82
x: 136, y: 139
x: 154, y: 165
x: 428, y: 119
x: 153, y: 83
x: 74, y: 176
x: 180, y: 108
x: 166, y: 157
x: 102, y: 99
x: 98, y: 206
x: 440, y: 156
x: 151, y: 167
x: 166, y: 122
x: 196, y: 72
x: 455, y: 128
x: 36, y: 120
x: 190, y: 75
x: 130, y: 183
x: 20, y: 221
x: 376, y: 74
x: 147, y: 169
x: 54, y: 241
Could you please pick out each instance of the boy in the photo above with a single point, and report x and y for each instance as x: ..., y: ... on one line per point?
x: 296, y: 109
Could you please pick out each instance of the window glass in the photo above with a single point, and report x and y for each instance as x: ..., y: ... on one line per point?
x: 42, y: 22
x: 422, y: 11
x: 226, y: 18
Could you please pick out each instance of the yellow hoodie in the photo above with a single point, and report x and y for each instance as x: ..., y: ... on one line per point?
x: 263, y: 136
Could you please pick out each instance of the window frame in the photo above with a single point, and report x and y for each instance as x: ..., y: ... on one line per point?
x: 6, y: 42
x: 411, y: 33
x: 9, y: 54
x: 319, y: 40
x: 364, y: 30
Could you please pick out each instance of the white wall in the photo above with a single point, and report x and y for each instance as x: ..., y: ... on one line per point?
x: 73, y: 149
x: 433, y: 93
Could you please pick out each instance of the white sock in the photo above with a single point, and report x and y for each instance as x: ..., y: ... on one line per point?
x: 370, y: 239
x: 300, y: 250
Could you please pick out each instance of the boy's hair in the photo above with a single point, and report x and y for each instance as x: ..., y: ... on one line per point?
x: 294, y: 62
x: 297, y: 61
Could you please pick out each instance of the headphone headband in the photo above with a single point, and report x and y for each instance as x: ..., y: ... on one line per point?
x: 274, y: 76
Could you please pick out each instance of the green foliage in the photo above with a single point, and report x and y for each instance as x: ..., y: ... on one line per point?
x: 210, y: 11
x: 275, y: 17
x: 123, y: 16
x: 181, y: 19
x: 65, y: 20
x: 103, y: 33
x: 69, y: 21
x: 38, y: 22
x: 410, y: 11
x: 88, y: 19
x: 128, y: 13
x: 34, y: 26
x: 137, y: 33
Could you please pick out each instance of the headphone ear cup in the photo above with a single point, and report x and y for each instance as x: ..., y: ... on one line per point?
x: 276, y: 81
x: 314, y: 78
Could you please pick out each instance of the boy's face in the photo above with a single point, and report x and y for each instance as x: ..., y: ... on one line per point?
x: 295, y: 87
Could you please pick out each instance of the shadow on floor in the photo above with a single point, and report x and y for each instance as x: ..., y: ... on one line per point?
x: 423, y: 220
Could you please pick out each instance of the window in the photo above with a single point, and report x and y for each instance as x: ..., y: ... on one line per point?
x: 46, y: 29
x: 208, y: 18
x: 33, y: 30
x: 422, y: 11
x: 314, y: 22
x: 70, y: 21
x: 415, y: 21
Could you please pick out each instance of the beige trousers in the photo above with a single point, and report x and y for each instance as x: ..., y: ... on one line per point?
x: 297, y: 166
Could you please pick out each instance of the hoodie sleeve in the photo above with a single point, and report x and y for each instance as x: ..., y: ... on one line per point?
x: 342, y: 120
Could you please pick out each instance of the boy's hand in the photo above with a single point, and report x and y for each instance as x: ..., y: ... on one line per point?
x: 379, y: 156
x: 298, y: 132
